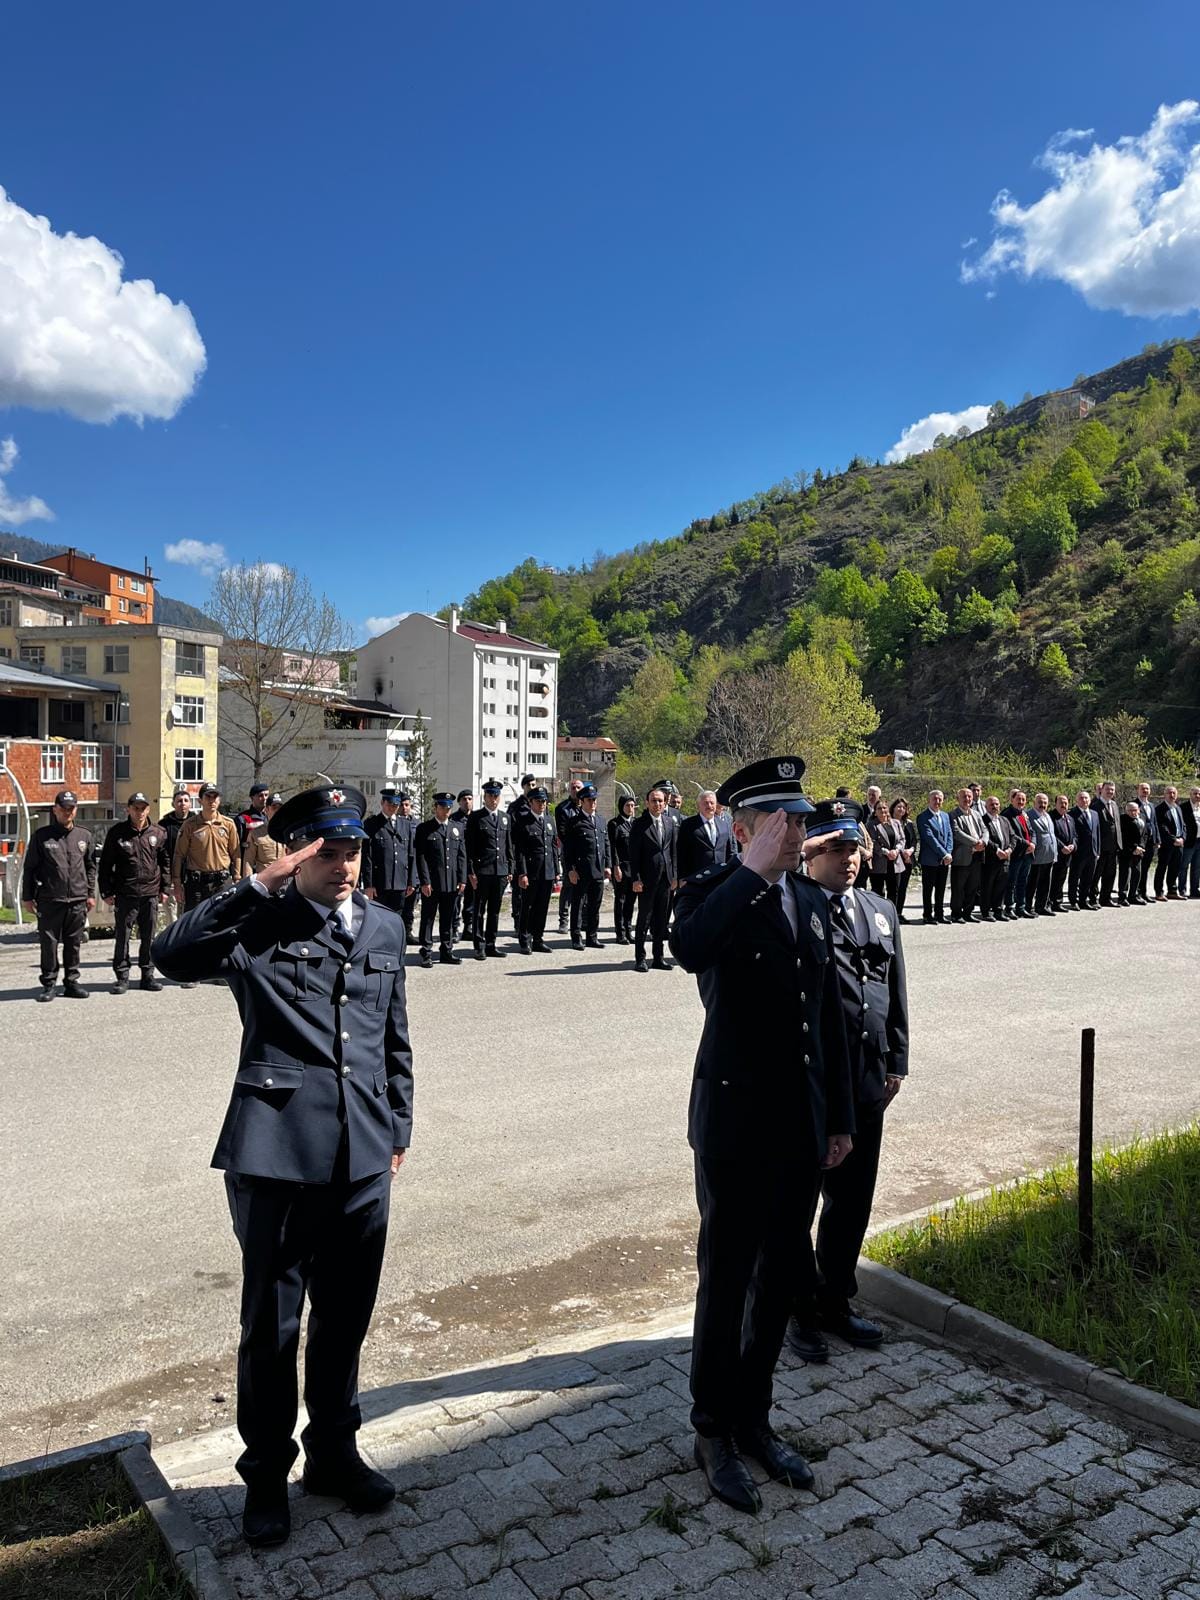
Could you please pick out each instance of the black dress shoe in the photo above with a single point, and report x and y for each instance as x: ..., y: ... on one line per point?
x: 75, y: 991
x: 781, y: 1462
x: 641, y: 965
x: 524, y: 947
x: 150, y: 983
x: 46, y: 992
x: 576, y: 944
x: 663, y: 966
x: 932, y: 921
x: 480, y: 953
x: 807, y: 1342
x: 594, y: 944
x: 426, y: 959
x: 266, y: 1517
x: 352, y: 1480
x: 541, y: 948
x: 854, y: 1330
x: 121, y: 986
x: 726, y: 1472
x: 449, y: 959
x: 501, y: 955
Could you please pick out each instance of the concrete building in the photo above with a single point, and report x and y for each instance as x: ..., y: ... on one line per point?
x: 594, y: 759
x: 31, y: 596
x: 110, y: 595
x: 491, y: 696
x: 54, y: 734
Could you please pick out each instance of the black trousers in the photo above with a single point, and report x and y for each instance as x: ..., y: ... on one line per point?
x: 902, y: 882
x: 440, y: 905
x: 587, y: 896
x: 535, y: 907
x: 401, y: 903
x: 884, y: 883
x: 964, y: 888
x: 1058, y: 877
x: 1106, y: 876
x: 61, y: 922
x: 1081, y: 879
x: 140, y: 911
x: 623, y: 906
x: 566, y: 899
x: 991, y: 885
x: 1129, y: 871
x: 847, y: 1194
x: 464, y: 912
x: 489, y: 897
x: 197, y: 887
x: 1166, y: 873
x: 325, y: 1240
x: 1037, y: 895
x: 1143, y: 882
x: 746, y: 1260
x: 653, y: 913
x: 933, y: 891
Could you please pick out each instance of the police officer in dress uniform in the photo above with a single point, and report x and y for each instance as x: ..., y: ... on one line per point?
x: 59, y: 883
x: 565, y: 813
x: 390, y: 855
x: 624, y: 898
x: 464, y: 901
x: 489, y: 867
x: 587, y: 862
x: 537, y: 862
x: 771, y: 1105
x: 874, y: 1000
x: 652, y: 860
x: 442, y: 873
x: 319, y: 1121
x: 135, y: 879
x: 518, y: 810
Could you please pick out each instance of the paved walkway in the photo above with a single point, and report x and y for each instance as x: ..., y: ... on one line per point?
x: 569, y: 1477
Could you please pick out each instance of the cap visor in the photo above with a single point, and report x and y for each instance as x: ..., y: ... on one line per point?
x: 799, y: 807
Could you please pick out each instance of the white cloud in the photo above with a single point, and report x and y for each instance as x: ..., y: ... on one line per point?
x: 76, y: 337
x: 14, y: 512
x: 1120, y: 223
x: 376, y: 625
x: 920, y: 435
x: 206, y: 558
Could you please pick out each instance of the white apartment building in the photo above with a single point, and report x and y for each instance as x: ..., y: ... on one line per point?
x: 491, y: 697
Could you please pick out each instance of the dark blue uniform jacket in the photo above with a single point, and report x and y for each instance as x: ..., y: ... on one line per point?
x: 874, y: 996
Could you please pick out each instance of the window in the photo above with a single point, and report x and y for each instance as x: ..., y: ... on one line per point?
x: 488, y: 733
x: 489, y: 683
x: 116, y: 658
x: 118, y: 711
x: 89, y: 763
x: 122, y: 605
x: 7, y: 611
x: 490, y: 708
x: 137, y: 609
x: 137, y: 586
x: 189, y: 710
x: 5, y: 653
x: 8, y: 819
x: 120, y: 581
x: 189, y: 660
x: 189, y: 766
x: 536, y: 760
x: 122, y: 767
x: 52, y: 763
x: 33, y: 655
x: 74, y: 658
x: 539, y: 711
x: 512, y: 683
x: 539, y: 733
x: 512, y: 711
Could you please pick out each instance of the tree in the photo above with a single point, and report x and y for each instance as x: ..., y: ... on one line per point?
x: 1179, y: 368
x: 421, y: 769
x: 844, y: 592
x: 1117, y: 748
x: 997, y: 411
x: 279, y: 642
x: 976, y: 615
x: 1044, y: 533
x: 899, y: 614
x: 1097, y: 445
x: 1071, y: 477
x: 1053, y: 666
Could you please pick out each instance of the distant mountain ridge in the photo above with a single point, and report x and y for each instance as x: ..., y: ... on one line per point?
x: 171, y: 613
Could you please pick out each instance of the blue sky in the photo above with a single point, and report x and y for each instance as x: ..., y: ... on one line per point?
x: 478, y: 282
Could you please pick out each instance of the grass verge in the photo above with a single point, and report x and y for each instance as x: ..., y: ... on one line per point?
x: 1015, y: 1254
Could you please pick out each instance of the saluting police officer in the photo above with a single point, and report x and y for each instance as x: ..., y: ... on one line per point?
x: 58, y: 881
x: 624, y: 898
x: 442, y: 872
x: 318, y: 1125
x: 489, y: 867
x: 538, y: 865
x: 135, y: 879
x: 390, y: 855
x: 587, y: 862
x: 874, y: 999
x: 771, y: 1104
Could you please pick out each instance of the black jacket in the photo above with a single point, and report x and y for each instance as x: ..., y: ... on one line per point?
x: 618, y: 843
x: 694, y: 853
x: 586, y: 848
x: 1020, y: 847
x: 490, y: 843
x: 441, y: 855
x: 536, y: 848
x: 870, y: 966
x: 648, y: 860
x: 1170, y: 827
x: 325, y: 1044
x: 772, y: 1071
x: 1110, y: 823
x: 135, y: 862
x: 60, y: 866
x: 1133, y: 834
x: 389, y: 856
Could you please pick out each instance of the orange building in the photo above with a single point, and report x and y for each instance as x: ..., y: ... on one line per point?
x: 109, y: 594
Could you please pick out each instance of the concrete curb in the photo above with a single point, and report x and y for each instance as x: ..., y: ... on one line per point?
x: 963, y: 1324
x: 185, y: 1544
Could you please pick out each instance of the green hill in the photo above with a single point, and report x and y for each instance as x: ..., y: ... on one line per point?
x: 1011, y: 586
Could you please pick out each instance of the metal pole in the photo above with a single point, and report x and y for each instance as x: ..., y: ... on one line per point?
x: 7, y: 772
x: 1087, y: 1095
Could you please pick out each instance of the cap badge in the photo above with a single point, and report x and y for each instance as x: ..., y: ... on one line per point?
x: 335, y: 797
x: 786, y: 769
x: 839, y: 809
x: 882, y: 923
x: 814, y: 923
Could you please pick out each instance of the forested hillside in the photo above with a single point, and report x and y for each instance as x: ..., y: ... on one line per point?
x: 1011, y: 586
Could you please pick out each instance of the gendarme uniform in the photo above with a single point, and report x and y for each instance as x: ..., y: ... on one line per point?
x: 771, y: 1084
x: 261, y: 849
x: 322, y: 1097
x: 59, y: 876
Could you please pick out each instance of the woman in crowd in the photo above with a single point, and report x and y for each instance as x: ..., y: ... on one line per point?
x: 887, y: 840
x: 908, y: 853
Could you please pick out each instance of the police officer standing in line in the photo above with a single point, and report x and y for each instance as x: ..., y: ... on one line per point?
x: 587, y: 862
x: 489, y: 867
x: 261, y: 849
x: 537, y: 855
x: 464, y: 901
x: 652, y: 860
x: 170, y: 822
x: 135, y: 878
x: 442, y: 872
x: 771, y: 1105
x: 565, y: 813
x: 389, y: 858
x: 254, y: 818
x: 518, y: 810
x: 59, y: 883
x: 624, y: 898
x: 870, y: 970
x: 319, y: 1122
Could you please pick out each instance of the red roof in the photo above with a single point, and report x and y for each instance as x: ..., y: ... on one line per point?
x: 567, y: 743
x: 502, y: 641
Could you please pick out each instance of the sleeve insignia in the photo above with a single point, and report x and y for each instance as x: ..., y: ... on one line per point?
x: 817, y: 925
x: 882, y: 923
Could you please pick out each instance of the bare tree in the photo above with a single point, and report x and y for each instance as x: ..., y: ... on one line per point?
x: 279, y: 643
x: 751, y: 715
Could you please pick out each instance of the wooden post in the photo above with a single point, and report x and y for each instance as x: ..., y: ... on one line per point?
x: 1087, y: 1096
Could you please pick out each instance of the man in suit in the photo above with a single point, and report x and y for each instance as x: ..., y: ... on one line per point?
x: 1189, y: 865
x: 1171, y: 837
x: 319, y: 1122
x: 653, y: 859
x: 1133, y: 851
x: 565, y: 813
x: 874, y: 999
x: 1021, y: 863
x: 966, y: 866
x: 624, y: 898
x: 389, y: 856
x: 442, y: 874
x: 999, y: 840
x: 1150, y: 843
x: 978, y: 804
x: 490, y: 859
x: 1085, y: 860
x: 705, y: 840
x: 537, y: 859
x: 587, y: 862
x: 771, y: 1105
x: 1104, y: 804
x: 935, y: 854
x: 1067, y: 839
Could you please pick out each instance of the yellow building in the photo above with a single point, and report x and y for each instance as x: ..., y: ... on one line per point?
x: 164, y: 724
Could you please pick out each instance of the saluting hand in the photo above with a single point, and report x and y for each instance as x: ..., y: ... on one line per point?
x: 279, y: 873
x: 766, y: 845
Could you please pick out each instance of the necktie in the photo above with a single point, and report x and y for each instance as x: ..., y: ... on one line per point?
x: 839, y: 906
x: 339, y: 931
x: 658, y: 829
x: 711, y: 829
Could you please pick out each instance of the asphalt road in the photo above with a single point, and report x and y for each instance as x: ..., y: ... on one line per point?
x: 549, y: 1184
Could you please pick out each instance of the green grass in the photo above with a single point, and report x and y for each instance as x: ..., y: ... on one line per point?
x: 1015, y: 1254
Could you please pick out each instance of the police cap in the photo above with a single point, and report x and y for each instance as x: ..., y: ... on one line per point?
x: 538, y: 794
x: 389, y: 792
x: 444, y: 798
x: 465, y: 794
x: 527, y: 780
x: 838, y: 820
x: 324, y: 813
x: 770, y: 785
x: 274, y: 799
x: 588, y: 792
x: 493, y: 786
x: 209, y: 791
